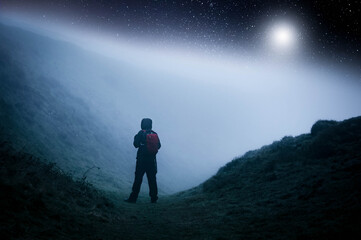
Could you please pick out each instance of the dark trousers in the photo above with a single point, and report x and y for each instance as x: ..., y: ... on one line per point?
x: 148, y: 166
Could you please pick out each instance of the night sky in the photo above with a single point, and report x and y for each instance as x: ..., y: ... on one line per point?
x: 330, y: 29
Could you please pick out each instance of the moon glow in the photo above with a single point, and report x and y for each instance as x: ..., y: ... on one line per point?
x: 283, y: 37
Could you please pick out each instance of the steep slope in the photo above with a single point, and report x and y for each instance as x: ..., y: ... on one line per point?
x: 40, y: 115
x: 305, y: 187
x: 39, y: 201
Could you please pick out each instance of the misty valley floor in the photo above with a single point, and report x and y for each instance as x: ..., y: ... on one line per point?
x: 304, y: 187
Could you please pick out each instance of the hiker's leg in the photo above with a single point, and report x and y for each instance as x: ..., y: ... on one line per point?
x: 139, y: 173
x: 152, y: 182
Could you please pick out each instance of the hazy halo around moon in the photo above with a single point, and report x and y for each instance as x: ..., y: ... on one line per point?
x: 282, y: 38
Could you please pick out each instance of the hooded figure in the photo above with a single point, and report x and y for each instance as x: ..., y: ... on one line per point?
x: 148, y: 143
x: 146, y: 124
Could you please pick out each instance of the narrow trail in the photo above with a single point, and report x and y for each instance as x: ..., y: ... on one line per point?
x: 167, y: 219
x: 173, y: 217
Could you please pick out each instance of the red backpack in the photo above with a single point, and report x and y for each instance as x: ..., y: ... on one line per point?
x: 151, y: 142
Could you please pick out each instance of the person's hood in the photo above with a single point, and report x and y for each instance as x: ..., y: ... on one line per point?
x: 146, y: 124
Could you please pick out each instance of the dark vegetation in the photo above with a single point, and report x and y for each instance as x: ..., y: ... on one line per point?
x: 305, y: 187
x: 39, y: 201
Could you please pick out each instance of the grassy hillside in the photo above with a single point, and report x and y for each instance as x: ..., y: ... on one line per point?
x: 38, y: 114
x: 305, y: 187
x: 39, y: 201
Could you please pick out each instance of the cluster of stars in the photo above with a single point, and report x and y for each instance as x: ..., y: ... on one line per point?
x: 330, y: 27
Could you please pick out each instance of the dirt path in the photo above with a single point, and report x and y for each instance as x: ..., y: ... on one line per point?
x: 170, y: 218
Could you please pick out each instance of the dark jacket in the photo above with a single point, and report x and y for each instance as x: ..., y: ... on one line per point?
x: 139, y: 142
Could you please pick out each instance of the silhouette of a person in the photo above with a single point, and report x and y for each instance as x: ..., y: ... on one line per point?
x: 146, y: 161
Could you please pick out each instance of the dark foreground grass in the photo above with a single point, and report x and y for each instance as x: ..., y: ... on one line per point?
x: 305, y: 187
x: 39, y: 201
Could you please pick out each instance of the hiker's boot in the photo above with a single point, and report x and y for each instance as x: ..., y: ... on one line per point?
x: 154, y: 200
x: 132, y: 198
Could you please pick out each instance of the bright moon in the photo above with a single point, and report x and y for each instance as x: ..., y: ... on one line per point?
x: 283, y: 37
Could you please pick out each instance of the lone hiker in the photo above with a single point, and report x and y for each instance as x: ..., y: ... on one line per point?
x: 148, y: 143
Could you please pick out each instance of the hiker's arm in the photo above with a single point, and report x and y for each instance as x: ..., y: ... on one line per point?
x: 136, y: 142
x: 159, y: 145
